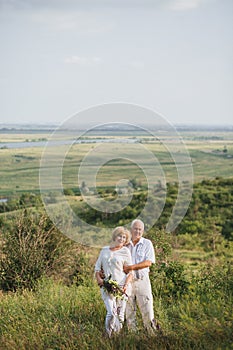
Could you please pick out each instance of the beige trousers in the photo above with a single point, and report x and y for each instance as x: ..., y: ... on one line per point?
x: 141, y: 296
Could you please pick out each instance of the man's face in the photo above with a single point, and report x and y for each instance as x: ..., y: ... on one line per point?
x: 137, y: 231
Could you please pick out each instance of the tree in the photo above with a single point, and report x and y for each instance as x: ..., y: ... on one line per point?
x: 225, y: 149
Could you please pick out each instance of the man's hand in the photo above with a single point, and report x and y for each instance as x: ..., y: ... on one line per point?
x: 127, y: 268
x: 139, y: 266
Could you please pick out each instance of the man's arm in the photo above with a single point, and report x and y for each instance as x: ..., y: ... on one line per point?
x: 139, y: 266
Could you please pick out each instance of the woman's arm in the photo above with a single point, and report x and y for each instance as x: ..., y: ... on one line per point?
x: 99, y: 274
x: 99, y: 280
x: 127, y: 281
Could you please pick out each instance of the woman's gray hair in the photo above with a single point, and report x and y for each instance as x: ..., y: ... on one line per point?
x: 137, y: 221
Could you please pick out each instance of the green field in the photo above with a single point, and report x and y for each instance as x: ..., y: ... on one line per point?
x: 211, y: 156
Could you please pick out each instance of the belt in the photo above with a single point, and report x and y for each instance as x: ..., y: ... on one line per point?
x: 137, y: 276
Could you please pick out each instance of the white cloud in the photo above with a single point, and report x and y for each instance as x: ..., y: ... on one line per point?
x: 184, y: 5
x: 83, y: 61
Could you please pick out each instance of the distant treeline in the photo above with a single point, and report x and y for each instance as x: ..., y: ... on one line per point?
x: 27, y: 128
x: 213, y: 137
x: 210, y: 209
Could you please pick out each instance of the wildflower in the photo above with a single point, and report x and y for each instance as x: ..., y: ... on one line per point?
x: 112, y: 287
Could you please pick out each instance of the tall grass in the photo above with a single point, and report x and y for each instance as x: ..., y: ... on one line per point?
x: 56, y: 316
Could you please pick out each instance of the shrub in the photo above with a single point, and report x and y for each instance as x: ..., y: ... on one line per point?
x: 162, y: 244
x: 169, y: 281
x: 214, y: 281
x: 32, y: 247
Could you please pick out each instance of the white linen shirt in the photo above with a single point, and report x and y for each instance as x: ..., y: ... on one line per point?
x: 142, y: 251
x: 112, y: 263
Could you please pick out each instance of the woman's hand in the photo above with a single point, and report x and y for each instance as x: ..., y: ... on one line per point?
x: 125, y: 287
x: 100, y: 282
x: 99, y: 278
x: 101, y: 274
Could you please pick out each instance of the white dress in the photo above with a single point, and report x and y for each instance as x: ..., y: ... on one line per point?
x: 112, y: 263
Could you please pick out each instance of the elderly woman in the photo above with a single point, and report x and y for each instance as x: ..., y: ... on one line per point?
x: 111, y: 261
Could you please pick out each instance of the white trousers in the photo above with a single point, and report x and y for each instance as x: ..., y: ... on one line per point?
x: 141, y: 296
x: 115, y: 312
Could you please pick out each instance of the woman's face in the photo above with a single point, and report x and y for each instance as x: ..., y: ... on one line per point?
x: 120, y: 239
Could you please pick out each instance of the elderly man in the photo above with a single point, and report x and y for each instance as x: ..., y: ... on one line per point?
x: 143, y: 256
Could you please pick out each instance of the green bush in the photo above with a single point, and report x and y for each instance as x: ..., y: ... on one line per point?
x: 32, y: 247
x: 169, y: 281
x: 214, y: 281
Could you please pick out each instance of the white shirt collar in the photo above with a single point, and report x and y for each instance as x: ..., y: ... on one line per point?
x: 139, y: 242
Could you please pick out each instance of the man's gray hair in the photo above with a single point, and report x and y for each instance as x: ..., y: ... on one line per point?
x: 137, y: 221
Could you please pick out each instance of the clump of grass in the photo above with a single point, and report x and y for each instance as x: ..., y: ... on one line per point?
x: 57, y: 317
x: 51, y: 317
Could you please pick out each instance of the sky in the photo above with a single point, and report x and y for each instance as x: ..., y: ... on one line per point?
x: 59, y: 57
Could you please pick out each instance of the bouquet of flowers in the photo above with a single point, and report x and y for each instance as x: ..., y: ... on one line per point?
x: 112, y: 287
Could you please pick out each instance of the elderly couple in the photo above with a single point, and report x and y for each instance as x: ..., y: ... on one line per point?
x: 127, y: 262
